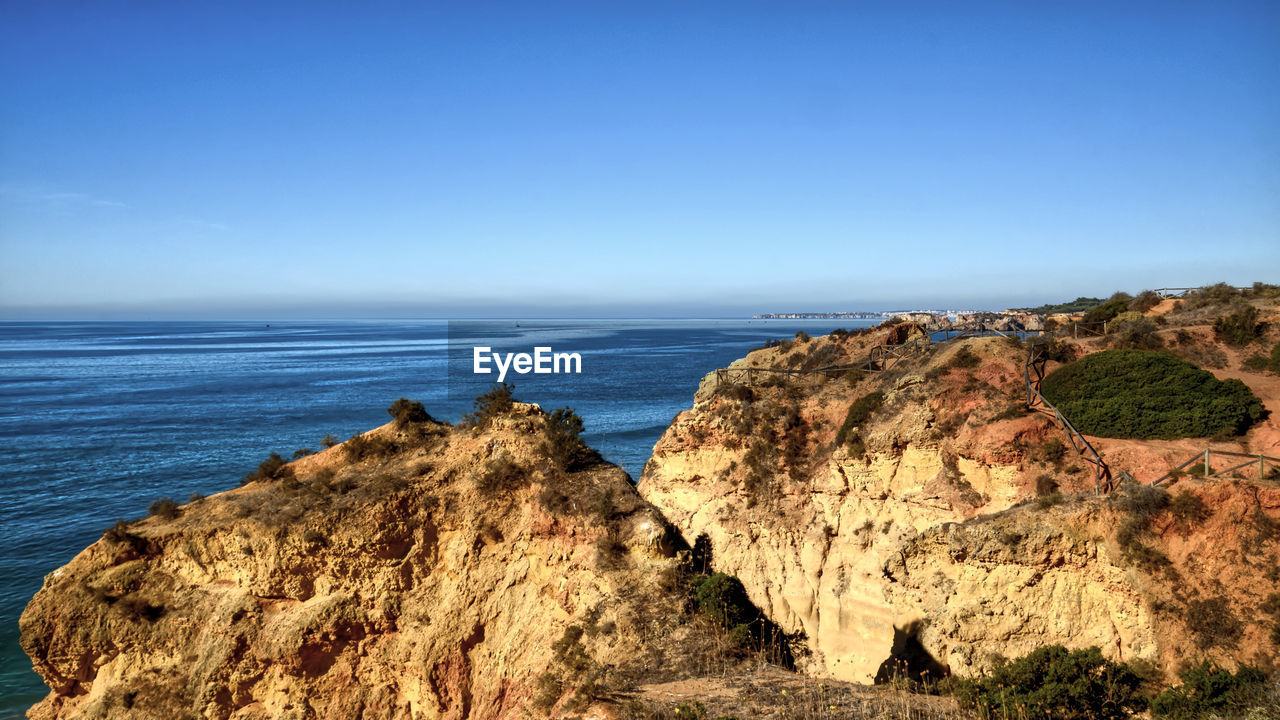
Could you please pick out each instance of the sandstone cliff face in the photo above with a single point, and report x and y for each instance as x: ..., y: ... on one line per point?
x: 919, y: 541
x: 973, y: 593
x: 430, y: 579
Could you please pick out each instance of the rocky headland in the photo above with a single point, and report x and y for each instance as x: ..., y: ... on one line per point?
x: 913, y: 522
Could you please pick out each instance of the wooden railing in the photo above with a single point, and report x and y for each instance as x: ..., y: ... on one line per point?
x: 1033, y: 373
x: 1184, y: 291
x: 1206, y: 460
x: 1092, y: 328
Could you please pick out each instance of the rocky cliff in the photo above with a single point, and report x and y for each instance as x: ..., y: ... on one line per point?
x: 916, y: 520
x: 420, y: 570
x: 894, y: 518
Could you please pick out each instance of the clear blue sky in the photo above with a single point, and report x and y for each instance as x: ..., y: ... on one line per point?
x: 381, y: 159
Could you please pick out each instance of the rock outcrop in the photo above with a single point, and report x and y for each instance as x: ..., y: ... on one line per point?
x: 419, y: 571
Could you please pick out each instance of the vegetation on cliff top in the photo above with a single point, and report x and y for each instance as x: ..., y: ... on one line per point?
x: 1053, y: 682
x: 1143, y: 394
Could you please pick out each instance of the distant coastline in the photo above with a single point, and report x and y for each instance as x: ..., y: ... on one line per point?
x: 861, y: 315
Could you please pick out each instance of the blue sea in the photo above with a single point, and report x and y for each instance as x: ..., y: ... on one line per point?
x: 99, y: 419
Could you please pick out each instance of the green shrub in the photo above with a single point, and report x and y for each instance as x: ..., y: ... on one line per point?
x: 164, y: 508
x: 858, y: 413
x: 119, y: 533
x: 1213, y: 622
x: 1055, y: 349
x: 1145, y: 300
x: 1209, y: 691
x: 1273, y: 361
x: 723, y: 599
x: 1142, y: 502
x: 1140, y: 394
x: 1107, y: 310
x: 1055, y: 683
x: 273, y: 468
x: 405, y: 411
x: 563, y: 443
x: 303, y: 452
x: 1216, y: 294
x: 1137, y: 334
x: 330, y: 440
x: 361, y: 446
x: 1044, y: 502
x: 491, y: 404
x: 1240, y: 327
x: 1080, y: 304
x: 1051, y: 451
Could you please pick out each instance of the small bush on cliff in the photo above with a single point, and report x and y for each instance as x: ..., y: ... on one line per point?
x: 1055, y: 683
x: 564, y: 444
x: 1139, y: 334
x: 1239, y: 327
x: 273, y: 468
x: 1140, y: 394
x: 1107, y: 310
x: 1213, y: 622
x: 574, y: 670
x: 736, y: 392
x: 361, y: 446
x: 164, y: 508
x: 1055, y: 349
x: 858, y: 414
x: 723, y: 599
x: 795, y: 442
x: 1145, y: 300
x: 405, y: 411
x: 1188, y: 510
x: 1141, y: 503
x: 1209, y: 691
x: 491, y: 404
x: 119, y: 533
x: 963, y: 359
x: 500, y: 474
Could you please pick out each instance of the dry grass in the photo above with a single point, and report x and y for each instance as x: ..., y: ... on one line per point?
x: 775, y: 694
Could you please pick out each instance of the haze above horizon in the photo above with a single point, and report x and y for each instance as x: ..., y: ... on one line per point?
x: 175, y: 160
